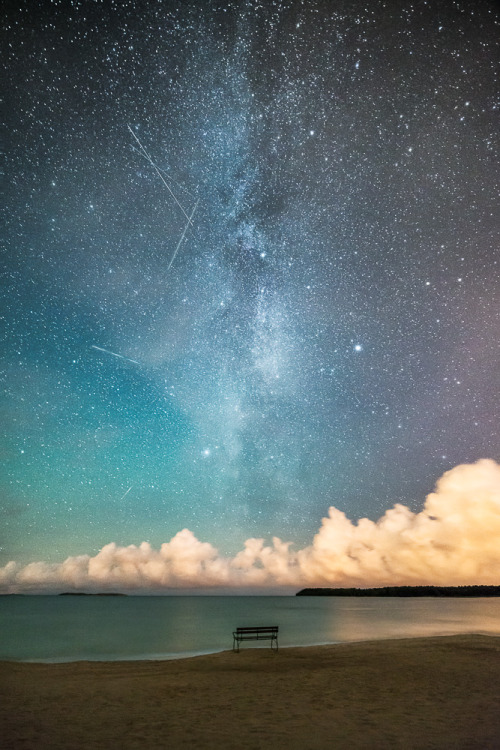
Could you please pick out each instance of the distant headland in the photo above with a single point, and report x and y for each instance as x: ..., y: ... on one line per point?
x: 455, y: 591
x: 86, y: 593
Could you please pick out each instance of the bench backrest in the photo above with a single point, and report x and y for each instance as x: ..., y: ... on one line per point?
x: 260, y: 629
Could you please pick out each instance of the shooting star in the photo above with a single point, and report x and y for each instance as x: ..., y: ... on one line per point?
x: 125, y: 494
x: 114, y: 354
x: 158, y: 172
x: 189, y: 221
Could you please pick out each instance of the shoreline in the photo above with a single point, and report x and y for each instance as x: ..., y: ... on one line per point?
x: 437, y: 691
x: 196, y: 654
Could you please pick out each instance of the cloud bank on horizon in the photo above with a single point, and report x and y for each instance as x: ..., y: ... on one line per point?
x: 454, y: 540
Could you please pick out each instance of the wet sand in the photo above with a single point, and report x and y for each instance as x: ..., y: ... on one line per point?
x: 413, y: 693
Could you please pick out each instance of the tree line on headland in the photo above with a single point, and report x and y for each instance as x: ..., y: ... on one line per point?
x: 458, y: 591
x: 86, y: 593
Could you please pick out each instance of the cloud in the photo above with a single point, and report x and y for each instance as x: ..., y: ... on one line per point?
x: 454, y: 540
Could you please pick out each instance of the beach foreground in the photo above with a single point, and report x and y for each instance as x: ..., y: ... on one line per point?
x: 440, y: 692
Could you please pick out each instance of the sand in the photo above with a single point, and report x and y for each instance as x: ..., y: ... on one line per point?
x: 413, y: 693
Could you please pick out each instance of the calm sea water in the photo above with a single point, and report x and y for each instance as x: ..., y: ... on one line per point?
x: 67, y: 628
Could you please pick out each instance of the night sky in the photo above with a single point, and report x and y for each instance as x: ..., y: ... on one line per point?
x: 252, y: 265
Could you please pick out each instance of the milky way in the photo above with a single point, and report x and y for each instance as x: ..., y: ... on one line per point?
x: 325, y: 330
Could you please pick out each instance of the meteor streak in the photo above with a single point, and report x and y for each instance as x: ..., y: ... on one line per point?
x: 158, y: 172
x: 183, y: 234
x: 114, y: 354
x: 125, y: 494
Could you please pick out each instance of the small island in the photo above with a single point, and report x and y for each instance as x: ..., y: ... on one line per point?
x: 450, y: 591
x: 86, y: 593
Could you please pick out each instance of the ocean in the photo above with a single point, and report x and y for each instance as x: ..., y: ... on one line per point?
x: 72, y: 628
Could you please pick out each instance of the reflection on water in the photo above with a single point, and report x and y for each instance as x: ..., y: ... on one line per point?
x: 69, y: 628
x: 401, y: 618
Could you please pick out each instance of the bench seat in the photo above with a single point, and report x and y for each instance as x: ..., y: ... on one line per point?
x: 261, y: 633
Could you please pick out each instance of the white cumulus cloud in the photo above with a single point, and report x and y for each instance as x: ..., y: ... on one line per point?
x: 454, y: 540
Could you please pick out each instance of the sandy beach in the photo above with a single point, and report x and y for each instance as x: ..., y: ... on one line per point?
x: 414, y: 693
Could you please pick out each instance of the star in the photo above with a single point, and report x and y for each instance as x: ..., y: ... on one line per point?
x: 333, y: 184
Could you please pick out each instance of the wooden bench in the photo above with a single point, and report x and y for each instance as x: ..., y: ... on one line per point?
x: 262, y: 633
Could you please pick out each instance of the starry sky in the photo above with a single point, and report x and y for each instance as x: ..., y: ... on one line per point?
x: 252, y: 265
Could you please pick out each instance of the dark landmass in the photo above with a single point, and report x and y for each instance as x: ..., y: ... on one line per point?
x: 455, y: 591
x: 83, y: 593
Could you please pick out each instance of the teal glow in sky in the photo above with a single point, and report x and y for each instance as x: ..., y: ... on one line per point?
x: 252, y: 266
